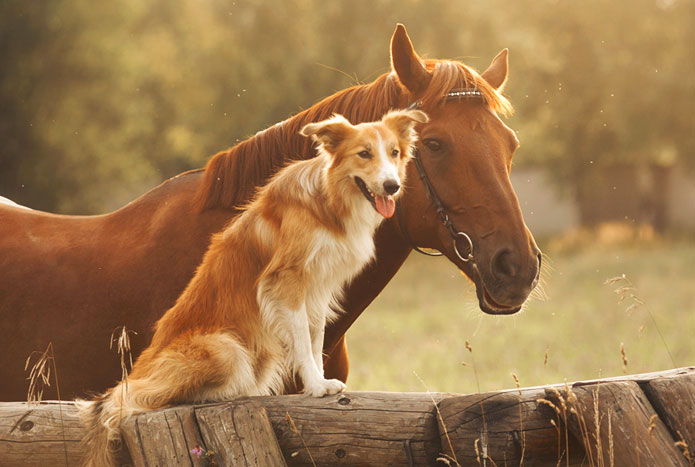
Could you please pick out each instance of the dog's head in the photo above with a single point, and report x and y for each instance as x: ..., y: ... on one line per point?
x: 373, y: 155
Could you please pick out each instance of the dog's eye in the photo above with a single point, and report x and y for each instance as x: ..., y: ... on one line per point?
x: 432, y: 144
x: 395, y: 153
x: 365, y: 154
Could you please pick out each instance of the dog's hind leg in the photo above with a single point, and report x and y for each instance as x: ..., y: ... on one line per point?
x: 199, y: 367
x: 195, y: 368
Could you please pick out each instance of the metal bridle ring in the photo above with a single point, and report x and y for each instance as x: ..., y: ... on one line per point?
x: 469, y: 257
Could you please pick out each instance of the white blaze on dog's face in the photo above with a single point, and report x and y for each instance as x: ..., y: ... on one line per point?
x: 373, y: 155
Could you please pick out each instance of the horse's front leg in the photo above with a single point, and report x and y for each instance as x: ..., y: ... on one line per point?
x: 336, y: 362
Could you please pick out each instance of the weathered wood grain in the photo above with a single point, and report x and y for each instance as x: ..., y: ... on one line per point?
x: 507, y: 428
x: 357, y: 428
x: 615, y: 421
x: 163, y: 438
x: 39, y: 435
x: 673, y: 398
x: 240, y: 434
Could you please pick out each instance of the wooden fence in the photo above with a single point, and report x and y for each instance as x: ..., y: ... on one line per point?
x: 646, y: 420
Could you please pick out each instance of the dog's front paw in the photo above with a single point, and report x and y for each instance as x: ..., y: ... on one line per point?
x: 326, y: 386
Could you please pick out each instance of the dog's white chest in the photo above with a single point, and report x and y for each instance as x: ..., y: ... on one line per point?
x: 340, y: 256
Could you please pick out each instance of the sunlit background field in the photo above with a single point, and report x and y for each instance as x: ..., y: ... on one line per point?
x: 413, y: 336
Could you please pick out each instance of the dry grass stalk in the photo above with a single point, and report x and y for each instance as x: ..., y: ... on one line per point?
x: 446, y: 459
x: 563, y: 407
x: 477, y: 451
x: 39, y: 375
x: 590, y: 436
x: 294, y: 429
x: 521, y: 420
x: 597, y: 428
x: 652, y: 423
x: 122, y: 341
x: 482, y: 409
x: 39, y: 378
x: 441, y: 420
x: 555, y: 425
x: 611, y: 447
x: 624, y: 356
x: 628, y: 291
x: 683, y: 446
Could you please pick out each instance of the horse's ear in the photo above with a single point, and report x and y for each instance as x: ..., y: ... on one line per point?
x: 496, y: 73
x: 402, y: 122
x: 329, y: 133
x: 405, y: 62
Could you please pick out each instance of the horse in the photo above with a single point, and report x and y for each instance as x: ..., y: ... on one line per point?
x: 73, y: 280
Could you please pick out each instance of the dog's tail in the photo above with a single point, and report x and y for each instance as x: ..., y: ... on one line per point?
x: 102, y: 418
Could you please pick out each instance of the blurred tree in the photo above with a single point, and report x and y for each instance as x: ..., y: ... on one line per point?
x: 605, y: 99
x: 99, y: 102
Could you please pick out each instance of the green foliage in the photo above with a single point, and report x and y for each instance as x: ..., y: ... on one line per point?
x: 100, y: 102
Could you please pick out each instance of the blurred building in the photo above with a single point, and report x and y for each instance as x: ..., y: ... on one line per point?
x: 663, y: 197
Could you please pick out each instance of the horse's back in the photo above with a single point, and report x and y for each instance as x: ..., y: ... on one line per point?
x: 72, y: 280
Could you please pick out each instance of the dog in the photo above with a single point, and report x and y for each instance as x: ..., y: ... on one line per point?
x: 253, y: 315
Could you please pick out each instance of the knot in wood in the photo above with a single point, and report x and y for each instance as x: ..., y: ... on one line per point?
x: 344, y: 400
x: 26, y: 426
x: 340, y: 453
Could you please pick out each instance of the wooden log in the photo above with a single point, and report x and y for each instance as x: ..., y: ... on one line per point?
x: 673, y: 398
x: 506, y: 428
x: 364, y: 428
x: 235, y: 433
x: 356, y: 428
x: 239, y: 433
x: 39, y: 434
x: 617, y: 424
x: 163, y: 437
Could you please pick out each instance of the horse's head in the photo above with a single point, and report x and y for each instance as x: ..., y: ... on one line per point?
x: 465, y: 151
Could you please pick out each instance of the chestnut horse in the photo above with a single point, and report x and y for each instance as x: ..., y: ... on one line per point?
x: 72, y: 280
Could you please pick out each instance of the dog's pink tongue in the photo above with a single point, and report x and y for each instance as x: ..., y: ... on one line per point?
x: 385, y: 205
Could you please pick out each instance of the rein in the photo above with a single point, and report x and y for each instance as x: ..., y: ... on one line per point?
x: 454, y: 233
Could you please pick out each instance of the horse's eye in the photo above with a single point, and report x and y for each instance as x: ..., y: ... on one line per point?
x: 432, y: 144
x: 365, y: 154
x: 395, y: 153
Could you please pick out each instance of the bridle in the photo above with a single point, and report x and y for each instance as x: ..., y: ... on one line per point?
x: 454, y: 233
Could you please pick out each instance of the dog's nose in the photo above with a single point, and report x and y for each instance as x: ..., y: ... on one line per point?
x: 391, y: 186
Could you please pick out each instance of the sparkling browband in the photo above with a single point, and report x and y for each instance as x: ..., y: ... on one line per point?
x: 454, y: 94
x: 464, y: 93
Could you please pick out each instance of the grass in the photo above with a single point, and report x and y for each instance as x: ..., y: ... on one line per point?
x: 422, y: 320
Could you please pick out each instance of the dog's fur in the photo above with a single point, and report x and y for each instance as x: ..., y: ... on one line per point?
x: 254, y: 314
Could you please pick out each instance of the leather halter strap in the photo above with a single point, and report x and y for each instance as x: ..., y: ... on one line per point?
x: 454, y: 233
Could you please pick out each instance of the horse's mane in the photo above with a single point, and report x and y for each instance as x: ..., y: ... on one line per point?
x: 232, y: 176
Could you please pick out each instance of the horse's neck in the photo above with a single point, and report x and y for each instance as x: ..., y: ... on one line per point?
x: 391, y: 253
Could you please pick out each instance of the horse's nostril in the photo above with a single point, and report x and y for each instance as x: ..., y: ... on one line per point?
x: 391, y: 186
x: 503, y: 264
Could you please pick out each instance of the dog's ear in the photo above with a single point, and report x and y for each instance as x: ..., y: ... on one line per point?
x: 329, y: 133
x: 402, y: 123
